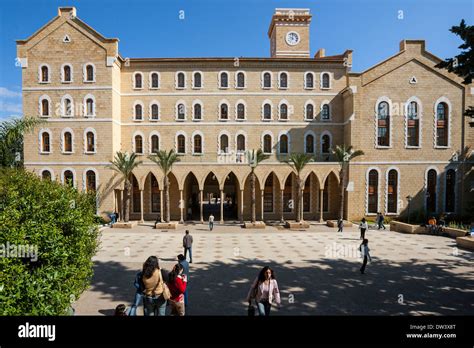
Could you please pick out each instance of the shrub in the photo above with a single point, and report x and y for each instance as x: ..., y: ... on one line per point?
x: 59, y: 222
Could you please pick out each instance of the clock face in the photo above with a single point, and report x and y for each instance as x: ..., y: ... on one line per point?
x: 292, y: 38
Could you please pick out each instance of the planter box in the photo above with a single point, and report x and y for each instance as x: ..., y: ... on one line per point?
x: 166, y: 226
x: 296, y: 225
x: 402, y: 227
x: 333, y: 223
x: 465, y: 242
x: 121, y: 224
x: 257, y: 224
x: 455, y: 232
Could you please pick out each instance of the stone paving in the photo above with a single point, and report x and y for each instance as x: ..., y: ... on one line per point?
x: 317, y: 270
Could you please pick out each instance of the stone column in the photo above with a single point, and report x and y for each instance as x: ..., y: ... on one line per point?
x: 161, y: 206
x: 222, y: 206
x: 201, y: 210
x: 321, y: 197
x: 282, y: 220
x: 263, y: 209
x: 141, y: 206
x: 181, y: 204
x: 242, y: 206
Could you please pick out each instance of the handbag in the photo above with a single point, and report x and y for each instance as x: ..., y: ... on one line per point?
x: 166, y: 290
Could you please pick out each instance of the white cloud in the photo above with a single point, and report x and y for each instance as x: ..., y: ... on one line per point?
x: 6, y: 93
x: 10, y: 107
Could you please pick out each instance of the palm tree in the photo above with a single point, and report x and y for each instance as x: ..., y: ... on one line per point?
x: 124, y: 164
x: 254, y: 158
x: 297, y: 162
x: 344, y: 155
x: 11, y: 139
x: 165, y: 161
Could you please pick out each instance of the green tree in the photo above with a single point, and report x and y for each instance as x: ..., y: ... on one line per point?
x: 166, y: 160
x: 254, y: 158
x: 297, y: 162
x: 11, y: 140
x: 344, y: 155
x: 124, y: 164
x: 48, y: 237
x: 462, y: 64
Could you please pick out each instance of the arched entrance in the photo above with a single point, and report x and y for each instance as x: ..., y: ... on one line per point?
x: 191, y: 197
x: 152, y: 198
x: 231, y: 200
x: 211, y: 197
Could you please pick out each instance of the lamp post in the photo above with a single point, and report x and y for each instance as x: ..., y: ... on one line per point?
x: 409, y: 198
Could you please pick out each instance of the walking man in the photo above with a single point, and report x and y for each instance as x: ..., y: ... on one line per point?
x: 363, y: 227
x: 380, y: 220
x: 182, y: 261
x: 188, y: 246
x: 340, y: 225
x: 211, y: 222
x: 364, y: 252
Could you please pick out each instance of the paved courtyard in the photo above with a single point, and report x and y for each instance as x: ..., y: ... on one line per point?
x: 317, y: 271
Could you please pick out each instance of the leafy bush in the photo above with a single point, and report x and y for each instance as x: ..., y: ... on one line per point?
x: 59, y: 222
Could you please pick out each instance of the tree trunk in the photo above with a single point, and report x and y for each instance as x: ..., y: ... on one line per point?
x: 126, y: 201
x: 167, y: 199
x: 298, y: 204
x: 252, y: 202
x: 342, y: 175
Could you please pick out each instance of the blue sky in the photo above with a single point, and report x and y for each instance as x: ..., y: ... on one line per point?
x: 234, y: 28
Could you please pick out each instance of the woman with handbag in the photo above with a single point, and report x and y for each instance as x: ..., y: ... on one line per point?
x: 177, y: 282
x: 154, y: 301
x: 264, y: 291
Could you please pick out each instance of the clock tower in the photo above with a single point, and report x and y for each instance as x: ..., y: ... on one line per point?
x: 289, y: 33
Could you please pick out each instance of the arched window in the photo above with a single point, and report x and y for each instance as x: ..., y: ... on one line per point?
x: 44, y: 74
x: 383, y: 124
x: 283, y: 112
x: 224, y: 80
x: 155, y: 144
x: 44, y: 107
x: 181, y: 83
x: 240, y: 80
x: 325, y: 112
x: 45, y: 142
x: 267, y: 112
x: 46, y: 175
x: 373, y: 191
x: 69, y: 178
x: 138, y: 80
x: 155, y: 112
x: 267, y: 80
x: 138, y: 144
x: 224, y: 113
x: 309, y: 111
x: 450, y: 191
x: 325, y: 81
x: 431, y: 189
x: 90, y: 138
x: 283, y: 80
x: 90, y: 181
x: 309, y: 143
x: 413, y: 124
x: 198, y: 144
x: 268, y: 195
x: 138, y: 112
x: 325, y: 144
x: 67, y: 107
x: 197, y: 80
x: 284, y: 144
x: 267, y: 143
x: 197, y: 111
x: 240, y: 143
x: 90, y: 73
x: 155, y: 80
x: 224, y: 143
x: 309, y: 80
x: 67, y: 142
x: 442, y: 113
x: 392, y: 192
x: 67, y: 74
x: 181, y: 144
x: 90, y: 107
x: 240, y: 111
x: 181, y: 110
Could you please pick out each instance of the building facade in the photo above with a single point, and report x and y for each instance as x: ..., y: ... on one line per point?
x: 405, y: 114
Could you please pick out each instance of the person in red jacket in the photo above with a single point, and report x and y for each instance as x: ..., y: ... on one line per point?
x: 177, y: 284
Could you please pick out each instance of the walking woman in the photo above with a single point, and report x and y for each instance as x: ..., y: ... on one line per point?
x: 177, y: 282
x: 364, y: 252
x: 154, y: 302
x: 363, y: 227
x: 264, y: 291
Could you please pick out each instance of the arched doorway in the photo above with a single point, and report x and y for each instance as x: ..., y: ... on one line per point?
x: 152, y: 198
x: 231, y: 190
x: 211, y: 197
x: 191, y: 197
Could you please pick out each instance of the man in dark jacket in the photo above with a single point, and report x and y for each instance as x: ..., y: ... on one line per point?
x: 182, y: 261
x: 187, y: 245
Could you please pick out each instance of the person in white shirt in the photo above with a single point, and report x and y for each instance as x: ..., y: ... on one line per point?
x: 363, y: 227
x: 211, y: 222
x: 364, y: 252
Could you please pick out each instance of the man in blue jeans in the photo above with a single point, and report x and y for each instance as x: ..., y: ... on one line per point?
x: 188, y: 246
x: 185, y: 264
x: 138, y: 294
